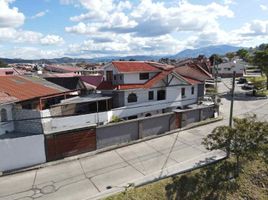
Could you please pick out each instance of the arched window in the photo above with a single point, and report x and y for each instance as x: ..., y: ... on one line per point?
x: 132, y: 98
x: 3, y: 115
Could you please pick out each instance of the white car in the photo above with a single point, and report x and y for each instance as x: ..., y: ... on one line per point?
x: 207, y: 101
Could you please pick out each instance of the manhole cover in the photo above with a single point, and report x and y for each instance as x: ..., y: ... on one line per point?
x: 48, y: 189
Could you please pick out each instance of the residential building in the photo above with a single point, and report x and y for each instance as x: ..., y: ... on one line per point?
x: 32, y: 95
x: 146, y: 88
x: 227, y: 68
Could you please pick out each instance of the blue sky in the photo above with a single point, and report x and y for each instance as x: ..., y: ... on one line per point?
x: 33, y: 29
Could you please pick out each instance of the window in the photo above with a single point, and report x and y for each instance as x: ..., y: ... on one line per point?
x: 183, y: 92
x: 115, y: 77
x: 121, y: 77
x: 109, y: 75
x: 144, y: 76
x: 132, y: 98
x: 192, y: 91
x: 161, y: 95
x: 151, y: 95
x: 3, y: 115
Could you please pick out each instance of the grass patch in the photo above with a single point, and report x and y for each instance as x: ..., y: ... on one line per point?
x: 207, y: 183
x: 256, y: 79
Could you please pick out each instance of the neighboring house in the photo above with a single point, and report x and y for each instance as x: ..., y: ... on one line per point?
x: 67, y: 69
x: 194, y: 72
x: 146, y: 88
x: 226, y: 69
x: 92, y: 82
x: 31, y: 95
x: 6, y: 115
x: 71, y: 83
x: 10, y: 72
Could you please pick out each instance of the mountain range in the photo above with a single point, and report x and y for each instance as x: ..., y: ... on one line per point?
x: 188, y: 53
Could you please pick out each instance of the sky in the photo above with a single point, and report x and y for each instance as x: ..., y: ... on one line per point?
x: 34, y: 29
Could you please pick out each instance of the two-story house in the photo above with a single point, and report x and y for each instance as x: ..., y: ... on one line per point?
x: 146, y: 88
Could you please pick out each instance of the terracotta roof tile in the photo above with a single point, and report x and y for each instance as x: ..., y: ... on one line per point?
x: 5, y: 98
x: 134, y: 66
x: 106, y: 85
x: 24, y: 89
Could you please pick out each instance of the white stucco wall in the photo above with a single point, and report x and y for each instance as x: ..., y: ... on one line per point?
x: 21, y: 152
x: 134, y: 78
x: 237, y: 67
x: 7, y: 126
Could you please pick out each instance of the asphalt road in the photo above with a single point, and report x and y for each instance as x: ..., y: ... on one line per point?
x: 109, y: 172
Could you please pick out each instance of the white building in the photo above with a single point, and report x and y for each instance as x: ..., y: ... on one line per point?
x: 146, y: 88
x: 226, y: 69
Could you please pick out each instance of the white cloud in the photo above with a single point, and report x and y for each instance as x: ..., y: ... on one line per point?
x: 31, y: 53
x: 40, y: 14
x: 82, y: 28
x: 22, y: 36
x: 52, y: 40
x: 10, y: 17
x: 264, y: 7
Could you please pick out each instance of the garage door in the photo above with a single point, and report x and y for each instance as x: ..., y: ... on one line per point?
x: 70, y: 143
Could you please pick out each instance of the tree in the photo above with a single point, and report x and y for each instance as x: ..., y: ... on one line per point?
x: 230, y: 55
x: 3, y: 64
x: 215, y: 59
x: 243, y: 53
x: 260, y: 59
x: 244, y: 141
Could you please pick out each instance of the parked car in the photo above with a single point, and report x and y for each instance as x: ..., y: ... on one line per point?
x: 207, y: 101
x: 248, y: 86
x: 242, y: 80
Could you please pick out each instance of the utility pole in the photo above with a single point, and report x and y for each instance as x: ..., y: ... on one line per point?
x: 232, y: 100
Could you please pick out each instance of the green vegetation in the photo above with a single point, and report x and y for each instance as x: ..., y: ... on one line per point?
x: 115, y: 119
x: 260, y: 58
x: 244, y: 175
x: 215, y: 59
x: 260, y: 85
x: 3, y: 64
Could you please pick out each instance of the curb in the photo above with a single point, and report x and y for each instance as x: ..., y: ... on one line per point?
x: 89, y: 154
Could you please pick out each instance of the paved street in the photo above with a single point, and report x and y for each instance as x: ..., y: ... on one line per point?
x: 109, y: 172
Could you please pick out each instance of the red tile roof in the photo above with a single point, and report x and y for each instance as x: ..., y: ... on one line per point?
x: 191, y: 81
x: 63, y: 68
x: 24, y: 89
x: 5, y: 98
x: 192, y: 72
x: 106, y: 85
x: 134, y: 66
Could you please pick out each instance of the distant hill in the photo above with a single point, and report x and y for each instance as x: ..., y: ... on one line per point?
x: 188, y: 53
x: 207, y: 51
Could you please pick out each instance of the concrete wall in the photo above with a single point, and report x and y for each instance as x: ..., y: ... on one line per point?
x: 155, y: 125
x: 127, y: 131
x: 28, y: 121
x: 207, y: 113
x: 189, y: 117
x: 9, y: 125
x: 21, y: 152
x: 114, y: 134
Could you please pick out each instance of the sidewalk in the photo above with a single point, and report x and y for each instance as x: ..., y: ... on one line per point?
x: 106, y: 173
